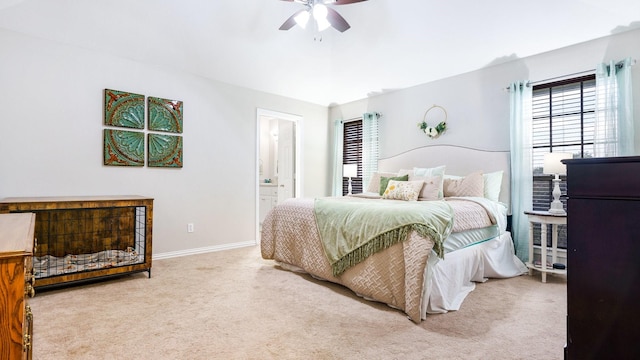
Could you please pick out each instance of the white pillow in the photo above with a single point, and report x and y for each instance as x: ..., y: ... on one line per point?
x: 403, y: 190
x: 432, y: 184
x: 438, y: 170
x: 492, y: 185
x: 434, y: 171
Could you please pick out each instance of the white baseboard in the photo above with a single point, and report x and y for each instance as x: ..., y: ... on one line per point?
x: 202, y: 250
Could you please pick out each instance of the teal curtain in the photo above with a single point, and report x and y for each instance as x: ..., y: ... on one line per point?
x: 614, y: 130
x: 370, y: 148
x: 521, y: 165
x: 338, y: 136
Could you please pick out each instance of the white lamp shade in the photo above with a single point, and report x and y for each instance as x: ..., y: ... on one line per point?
x: 350, y: 170
x: 553, y: 164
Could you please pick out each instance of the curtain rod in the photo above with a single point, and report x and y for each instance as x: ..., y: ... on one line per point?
x: 375, y: 113
x: 564, y: 77
x: 619, y: 64
x: 557, y: 78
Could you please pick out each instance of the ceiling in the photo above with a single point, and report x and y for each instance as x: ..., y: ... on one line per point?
x: 392, y: 44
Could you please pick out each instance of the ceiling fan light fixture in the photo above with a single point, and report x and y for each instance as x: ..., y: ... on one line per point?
x: 323, y: 15
x: 323, y: 24
x: 320, y: 15
x: 320, y: 12
x: 302, y: 19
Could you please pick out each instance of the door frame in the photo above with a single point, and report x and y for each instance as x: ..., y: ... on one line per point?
x: 298, y: 120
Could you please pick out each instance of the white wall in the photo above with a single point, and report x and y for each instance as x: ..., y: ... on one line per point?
x: 476, y: 102
x: 52, y: 115
x: 51, y: 96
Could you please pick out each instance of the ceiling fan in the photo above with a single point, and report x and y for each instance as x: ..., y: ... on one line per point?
x: 323, y: 15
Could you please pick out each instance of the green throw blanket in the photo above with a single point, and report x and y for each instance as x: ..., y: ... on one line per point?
x: 352, y: 229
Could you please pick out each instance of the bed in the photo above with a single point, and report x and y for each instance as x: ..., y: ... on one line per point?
x: 441, y: 227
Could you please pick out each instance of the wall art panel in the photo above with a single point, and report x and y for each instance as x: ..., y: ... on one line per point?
x: 164, y: 150
x: 123, y: 148
x: 123, y: 109
x: 165, y: 115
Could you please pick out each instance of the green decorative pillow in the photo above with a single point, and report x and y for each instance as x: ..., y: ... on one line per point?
x: 374, y: 183
x: 384, y: 181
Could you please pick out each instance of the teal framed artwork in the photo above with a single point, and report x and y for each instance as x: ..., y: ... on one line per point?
x: 165, y: 115
x: 123, y: 109
x: 123, y: 148
x: 124, y: 138
x: 164, y: 150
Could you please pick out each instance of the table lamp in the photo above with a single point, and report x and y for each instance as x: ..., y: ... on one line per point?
x: 553, y: 165
x: 349, y: 171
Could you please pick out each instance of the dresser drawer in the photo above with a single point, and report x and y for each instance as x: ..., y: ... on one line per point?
x: 603, y: 177
x: 268, y: 190
x: 16, y: 284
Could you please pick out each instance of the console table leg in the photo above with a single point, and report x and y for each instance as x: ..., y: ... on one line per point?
x: 543, y: 251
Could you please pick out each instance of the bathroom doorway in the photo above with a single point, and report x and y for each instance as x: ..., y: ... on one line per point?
x: 278, y: 160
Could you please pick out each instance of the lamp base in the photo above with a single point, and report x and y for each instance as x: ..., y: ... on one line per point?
x: 349, y: 189
x: 556, y: 205
x: 557, y: 209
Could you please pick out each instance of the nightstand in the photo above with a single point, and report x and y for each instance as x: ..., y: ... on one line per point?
x: 544, y: 218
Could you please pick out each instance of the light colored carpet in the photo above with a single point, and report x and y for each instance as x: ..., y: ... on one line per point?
x: 235, y: 305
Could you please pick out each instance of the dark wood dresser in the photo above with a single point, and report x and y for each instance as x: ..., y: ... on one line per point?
x: 603, y: 258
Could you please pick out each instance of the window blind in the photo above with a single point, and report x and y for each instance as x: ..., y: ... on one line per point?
x: 352, y: 154
x: 563, y: 121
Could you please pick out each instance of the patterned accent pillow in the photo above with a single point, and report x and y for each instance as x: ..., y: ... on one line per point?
x: 374, y: 183
x: 470, y: 185
x: 403, y: 190
x: 384, y: 181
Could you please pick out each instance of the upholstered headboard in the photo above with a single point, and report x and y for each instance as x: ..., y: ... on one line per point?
x: 459, y: 160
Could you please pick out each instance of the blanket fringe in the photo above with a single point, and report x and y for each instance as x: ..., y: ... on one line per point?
x: 386, y: 240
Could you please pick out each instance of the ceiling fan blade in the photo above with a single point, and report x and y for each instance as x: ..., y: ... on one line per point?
x: 346, y: 2
x: 291, y: 21
x: 336, y: 20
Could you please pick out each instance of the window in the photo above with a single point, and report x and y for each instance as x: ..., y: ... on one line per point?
x: 359, y: 146
x: 563, y: 121
x: 352, y: 154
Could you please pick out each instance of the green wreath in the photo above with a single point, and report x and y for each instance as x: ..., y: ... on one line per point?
x: 433, y: 131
